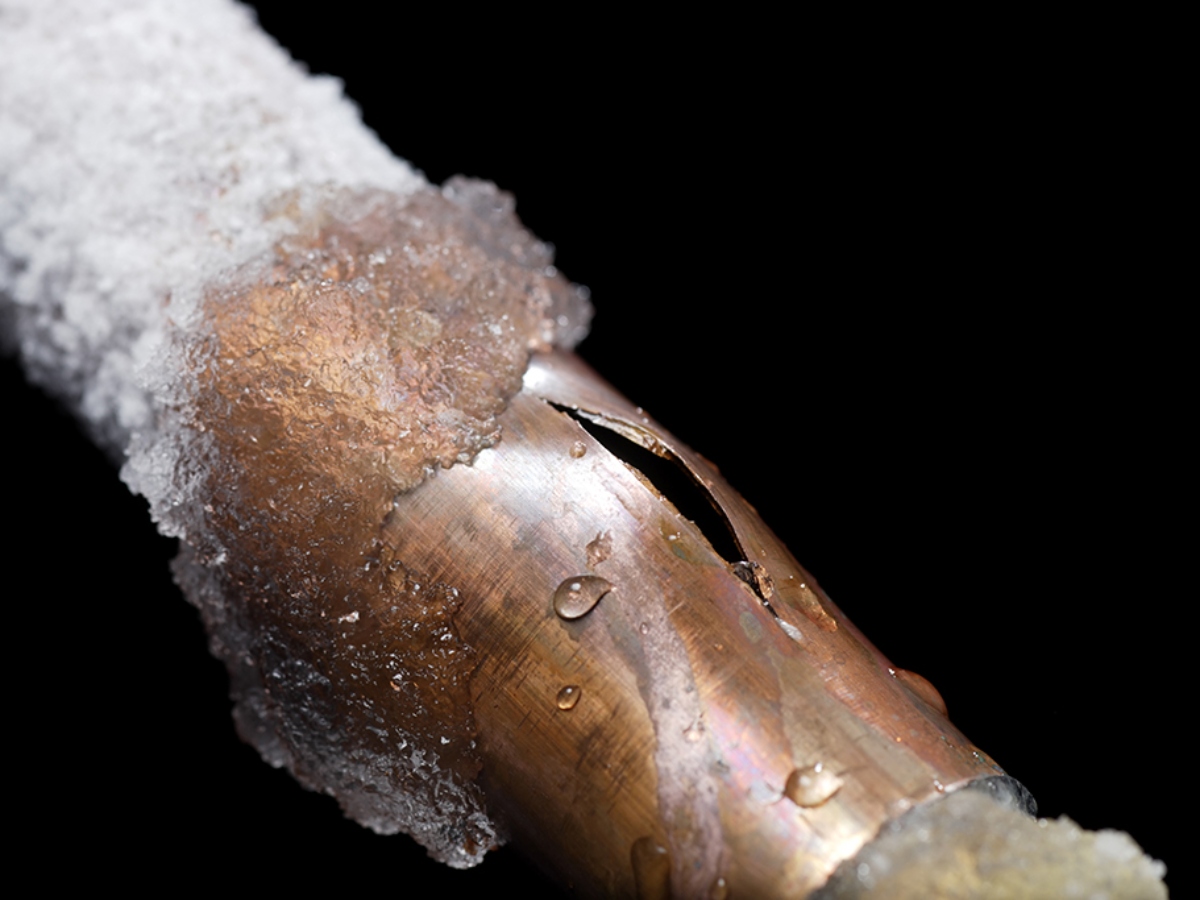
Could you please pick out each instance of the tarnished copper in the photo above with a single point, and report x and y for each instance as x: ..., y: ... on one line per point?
x: 541, y: 632
x: 545, y: 805
x: 701, y: 698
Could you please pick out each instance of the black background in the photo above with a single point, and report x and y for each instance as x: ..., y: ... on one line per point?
x: 903, y: 297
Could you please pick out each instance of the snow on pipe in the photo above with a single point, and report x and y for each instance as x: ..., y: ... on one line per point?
x: 170, y: 160
x: 111, y: 333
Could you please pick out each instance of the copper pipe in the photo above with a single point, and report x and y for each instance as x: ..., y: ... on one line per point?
x: 785, y: 401
x: 542, y: 632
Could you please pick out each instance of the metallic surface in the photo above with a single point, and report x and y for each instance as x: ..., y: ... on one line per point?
x: 701, y: 694
x: 1065, y: 491
x: 535, y: 640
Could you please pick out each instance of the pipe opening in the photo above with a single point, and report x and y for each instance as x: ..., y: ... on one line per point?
x: 668, y: 476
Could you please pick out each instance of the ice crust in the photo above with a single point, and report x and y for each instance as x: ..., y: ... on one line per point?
x: 382, y: 341
x: 967, y: 845
x: 210, y: 259
x: 139, y: 144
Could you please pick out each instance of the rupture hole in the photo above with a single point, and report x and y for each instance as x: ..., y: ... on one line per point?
x: 672, y: 480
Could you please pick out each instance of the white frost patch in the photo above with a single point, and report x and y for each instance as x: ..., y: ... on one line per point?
x: 141, y: 142
x: 147, y: 149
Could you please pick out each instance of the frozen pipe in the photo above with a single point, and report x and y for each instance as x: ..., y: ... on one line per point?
x: 96, y: 378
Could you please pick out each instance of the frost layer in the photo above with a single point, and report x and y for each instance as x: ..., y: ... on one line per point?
x: 378, y: 342
x: 966, y: 845
x: 230, y: 280
x: 140, y: 141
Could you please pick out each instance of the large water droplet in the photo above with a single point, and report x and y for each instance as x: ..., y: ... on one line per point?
x: 568, y: 696
x: 578, y: 450
x: 651, y: 869
x: 719, y: 890
x: 576, y: 596
x: 812, y: 785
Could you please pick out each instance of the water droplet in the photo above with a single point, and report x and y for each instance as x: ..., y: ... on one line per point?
x: 576, y: 596
x: 599, y: 549
x: 811, y: 786
x: 922, y: 687
x: 694, y: 732
x: 644, y: 628
x: 719, y: 890
x: 651, y: 869
x: 578, y: 449
x: 865, y: 878
x: 568, y: 696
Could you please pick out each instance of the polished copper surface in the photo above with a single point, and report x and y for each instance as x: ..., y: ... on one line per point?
x: 702, y: 697
x: 444, y: 599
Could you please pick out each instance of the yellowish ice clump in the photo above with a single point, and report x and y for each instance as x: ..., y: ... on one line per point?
x: 967, y: 846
